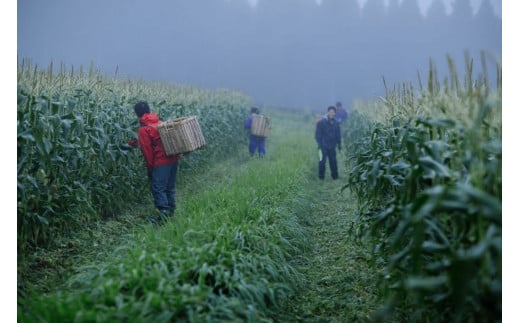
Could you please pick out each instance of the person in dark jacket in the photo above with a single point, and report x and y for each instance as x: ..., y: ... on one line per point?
x: 162, y: 169
x: 341, y: 114
x: 255, y: 142
x: 328, y: 137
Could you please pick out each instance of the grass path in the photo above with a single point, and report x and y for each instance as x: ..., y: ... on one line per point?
x: 44, y: 269
x: 339, y: 284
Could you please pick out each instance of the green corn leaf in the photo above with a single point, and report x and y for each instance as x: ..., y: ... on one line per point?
x: 436, y: 231
x: 394, y: 180
x: 42, y: 219
x: 437, y: 122
x: 430, y: 164
x: 426, y: 283
x: 438, y: 266
x: 400, y: 166
x: 26, y: 135
x: 432, y: 246
x: 32, y: 180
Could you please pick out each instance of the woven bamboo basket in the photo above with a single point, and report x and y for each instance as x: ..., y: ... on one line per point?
x: 260, y: 125
x: 181, y: 135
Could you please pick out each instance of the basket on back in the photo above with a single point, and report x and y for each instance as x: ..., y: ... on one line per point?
x: 181, y: 135
x: 260, y: 125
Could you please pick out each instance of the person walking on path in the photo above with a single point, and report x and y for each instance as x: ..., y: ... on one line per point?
x: 341, y: 114
x: 162, y: 169
x: 256, y: 143
x: 328, y: 137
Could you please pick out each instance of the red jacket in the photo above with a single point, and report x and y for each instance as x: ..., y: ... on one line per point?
x: 151, y: 144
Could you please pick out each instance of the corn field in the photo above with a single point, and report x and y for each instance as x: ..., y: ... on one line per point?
x: 427, y: 173
x: 71, y: 130
x: 423, y: 178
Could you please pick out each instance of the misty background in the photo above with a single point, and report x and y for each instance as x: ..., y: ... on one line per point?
x: 284, y: 53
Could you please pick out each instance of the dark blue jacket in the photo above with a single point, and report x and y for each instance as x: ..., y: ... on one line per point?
x: 328, y: 134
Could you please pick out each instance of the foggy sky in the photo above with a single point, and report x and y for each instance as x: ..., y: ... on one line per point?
x: 292, y: 53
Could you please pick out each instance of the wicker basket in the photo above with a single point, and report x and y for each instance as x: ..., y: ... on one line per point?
x: 181, y: 135
x: 261, y: 125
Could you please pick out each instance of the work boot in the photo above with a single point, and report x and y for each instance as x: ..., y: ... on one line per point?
x: 152, y: 220
x: 164, y: 215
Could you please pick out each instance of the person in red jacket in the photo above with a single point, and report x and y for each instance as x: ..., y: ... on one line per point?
x: 162, y: 169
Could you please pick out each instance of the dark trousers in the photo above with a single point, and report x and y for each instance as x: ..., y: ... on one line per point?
x: 333, y: 163
x: 257, y: 143
x: 163, y: 186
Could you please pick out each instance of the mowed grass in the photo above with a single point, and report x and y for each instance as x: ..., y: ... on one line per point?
x: 339, y: 273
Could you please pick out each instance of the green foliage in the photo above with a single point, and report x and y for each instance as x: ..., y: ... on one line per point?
x: 427, y: 178
x: 224, y: 257
x: 430, y: 195
x: 71, y: 134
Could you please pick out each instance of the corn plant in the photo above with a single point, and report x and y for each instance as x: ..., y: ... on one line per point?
x: 431, y: 190
x: 222, y: 258
x: 71, y: 130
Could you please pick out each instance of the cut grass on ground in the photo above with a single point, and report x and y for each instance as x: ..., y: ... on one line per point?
x: 339, y: 283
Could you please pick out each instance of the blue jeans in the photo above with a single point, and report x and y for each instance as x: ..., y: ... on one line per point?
x: 333, y: 163
x: 163, y: 186
x: 255, y: 143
